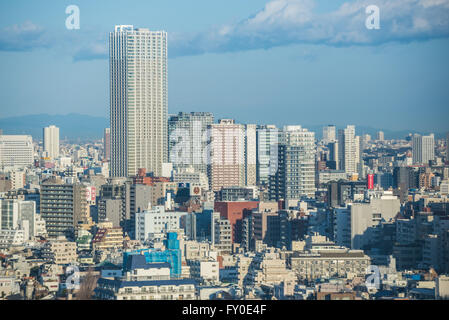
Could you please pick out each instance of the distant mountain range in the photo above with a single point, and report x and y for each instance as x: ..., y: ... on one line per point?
x: 78, y: 127
x: 72, y: 126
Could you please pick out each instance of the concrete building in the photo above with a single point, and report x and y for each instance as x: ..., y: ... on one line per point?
x: 268, y: 268
x: 222, y: 240
x: 63, y: 206
x: 51, y: 142
x: 60, y: 251
x: 138, y: 100
x: 177, y: 289
x: 16, y: 151
x: 20, y: 215
x: 205, y: 270
x: 156, y: 221
x: 227, y: 162
x: 321, y: 258
x: 238, y: 194
x: 267, y: 138
x: 423, y: 148
x: 108, y: 238
x: 347, y: 150
x: 295, y: 175
x: 358, y: 225
x: 235, y: 212
x: 187, y: 133
x: 250, y: 154
x: 442, y: 287
x: 329, y: 134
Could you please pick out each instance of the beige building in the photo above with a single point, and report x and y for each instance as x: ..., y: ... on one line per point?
x: 194, y: 250
x: 108, y: 238
x: 227, y: 165
x: 268, y: 268
x: 60, y: 251
x: 321, y: 258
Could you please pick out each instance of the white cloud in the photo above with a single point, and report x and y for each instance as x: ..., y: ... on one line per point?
x: 284, y: 22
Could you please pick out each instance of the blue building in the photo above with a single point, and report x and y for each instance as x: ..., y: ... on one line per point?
x: 171, y: 255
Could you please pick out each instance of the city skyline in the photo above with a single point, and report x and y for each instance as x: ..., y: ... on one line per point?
x: 364, y: 83
x: 301, y: 158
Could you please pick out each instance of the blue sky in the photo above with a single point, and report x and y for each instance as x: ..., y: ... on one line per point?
x: 306, y: 62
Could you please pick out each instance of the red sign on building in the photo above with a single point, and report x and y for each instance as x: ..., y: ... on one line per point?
x: 370, y: 182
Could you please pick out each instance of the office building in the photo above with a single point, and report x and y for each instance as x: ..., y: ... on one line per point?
x: 63, y: 206
x: 51, y: 142
x: 250, y: 154
x: 266, y: 147
x: 357, y: 225
x: 295, y: 175
x: 348, y: 150
x: 138, y: 100
x: 329, y: 134
x: 156, y: 221
x: 227, y: 164
x: 423, y: 149
x: 16, y: 151
x: 188, y: 140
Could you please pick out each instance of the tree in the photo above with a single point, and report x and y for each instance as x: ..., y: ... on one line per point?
x: 87, y: 286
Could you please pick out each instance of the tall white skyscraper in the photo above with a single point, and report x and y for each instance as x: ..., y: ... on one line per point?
x: 16, y: 151
x: 329, y: 134
x: 51, y: 141
x: 423, y: 148
x: 348, y: 150
x: 138, y: 100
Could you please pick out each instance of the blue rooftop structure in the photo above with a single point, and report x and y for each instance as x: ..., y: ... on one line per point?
x: 170, y: 257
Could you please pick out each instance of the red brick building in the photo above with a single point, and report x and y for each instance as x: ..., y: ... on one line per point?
x: 235, y: 212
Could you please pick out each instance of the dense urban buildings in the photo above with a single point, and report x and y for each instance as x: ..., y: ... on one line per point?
x: 184, y: 207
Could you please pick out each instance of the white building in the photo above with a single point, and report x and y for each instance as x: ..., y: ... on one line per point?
x: 16, y: 151
x: 206, y: 270
x: 267, y: 140
x: 295, y: 174
x: 329, y: 134
x: 156, y: 221
x: 138, y: 100
x: 51, y: 142
x: 357, y: 225
x: 423, y: 148
x: 348, y: 150
x: 13, y: 237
